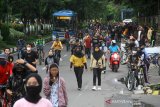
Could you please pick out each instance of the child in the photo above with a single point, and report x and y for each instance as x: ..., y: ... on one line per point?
x: 49, y: 60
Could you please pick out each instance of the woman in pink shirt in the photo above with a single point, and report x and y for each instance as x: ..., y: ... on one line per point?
x: 33, y: 89
x: 54, y: 87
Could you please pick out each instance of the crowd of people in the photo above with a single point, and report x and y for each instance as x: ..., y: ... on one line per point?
x: 22, y: 83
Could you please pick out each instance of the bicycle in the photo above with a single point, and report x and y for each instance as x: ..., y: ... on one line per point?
x: 57, y: 57
x: 141, y: 69
x: 131, y: 81
x: 3, y: 97
x: 40, y: 52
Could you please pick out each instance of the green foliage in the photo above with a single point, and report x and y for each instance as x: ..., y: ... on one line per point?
x: 14, y: 34
x: 5, y: 32
x: 18, y: 27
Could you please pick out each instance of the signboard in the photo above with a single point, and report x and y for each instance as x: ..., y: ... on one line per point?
x: 63, y: 18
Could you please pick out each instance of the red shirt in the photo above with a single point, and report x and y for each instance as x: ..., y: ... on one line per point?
x: 67, y: 35
x: 87, y: 42
x: 5, y: 73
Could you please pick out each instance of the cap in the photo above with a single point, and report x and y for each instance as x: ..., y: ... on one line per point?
x: 2, y: 56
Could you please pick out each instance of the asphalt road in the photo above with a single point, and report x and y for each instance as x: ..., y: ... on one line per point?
x: 111, y: 88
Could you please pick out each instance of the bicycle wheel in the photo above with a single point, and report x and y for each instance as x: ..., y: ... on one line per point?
x: 131, y: 81
x: 40, y: 57
x: 141, y: 76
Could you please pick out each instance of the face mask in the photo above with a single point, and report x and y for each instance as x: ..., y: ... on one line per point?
x: 3, y: 63
x: 103, y: 44
x: 33, y: 93
x: 33, y: 90
x: 28, y: 48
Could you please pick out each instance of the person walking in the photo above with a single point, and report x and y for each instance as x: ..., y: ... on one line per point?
x: 87, y: 45
x: 149, y: 34
x: 54, y: 87
x: 33, y: 89
x: 78, y: 60
x: 97, y: 64
x: 67, y: 39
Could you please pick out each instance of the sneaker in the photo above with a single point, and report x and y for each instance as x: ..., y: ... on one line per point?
x: 94, y: 88
x: 79, y: 89
x: 99, y: 88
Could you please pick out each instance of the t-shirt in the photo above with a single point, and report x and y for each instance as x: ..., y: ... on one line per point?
x: 88, y: 42
x: 30, y: 57
x: 24, y: 103
x: 113, y: 49
x: 5, y: 73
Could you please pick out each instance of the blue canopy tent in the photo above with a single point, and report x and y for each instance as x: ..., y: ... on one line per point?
x: 67, y: 13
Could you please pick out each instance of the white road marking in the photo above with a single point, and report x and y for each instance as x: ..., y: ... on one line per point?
x: 65, y: 55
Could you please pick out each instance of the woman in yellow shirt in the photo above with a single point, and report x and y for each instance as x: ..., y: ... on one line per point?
x: 78, y: 60
x: 97, y: 64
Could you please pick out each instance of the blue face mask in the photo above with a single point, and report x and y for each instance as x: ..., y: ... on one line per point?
x: 3, y: 63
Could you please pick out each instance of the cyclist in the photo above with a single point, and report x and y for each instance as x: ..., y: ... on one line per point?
x: 15, y: 85
x: 40, y: 42
x: 5, y: 69
x: 57, y: 46
x: 21, y: 43
x: 30, y: 56
x: 144, y: 57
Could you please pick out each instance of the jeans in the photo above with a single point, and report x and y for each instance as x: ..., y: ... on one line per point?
x: 20, y: 53
x: 97, y: 74
x: 78, y: 72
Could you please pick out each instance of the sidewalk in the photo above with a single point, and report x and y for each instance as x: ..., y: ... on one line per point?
x: 154, y: 77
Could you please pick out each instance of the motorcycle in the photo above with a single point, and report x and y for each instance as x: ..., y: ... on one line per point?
x: 115, y: 61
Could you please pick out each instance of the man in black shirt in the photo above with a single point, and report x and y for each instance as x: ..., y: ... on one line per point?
x: 30, y: 56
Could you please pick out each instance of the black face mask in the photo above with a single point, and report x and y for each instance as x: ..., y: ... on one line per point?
x: 33, y: 94
x: 50, y: 56
x: 3, y: 63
